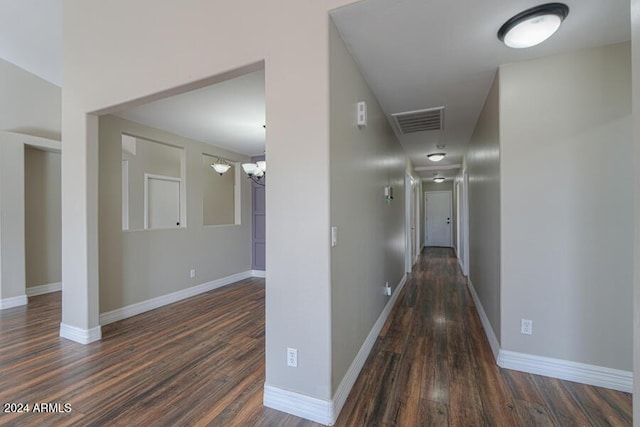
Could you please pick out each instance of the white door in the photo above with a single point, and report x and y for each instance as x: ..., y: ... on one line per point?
x: 438, y: 218
x: 163, y: 203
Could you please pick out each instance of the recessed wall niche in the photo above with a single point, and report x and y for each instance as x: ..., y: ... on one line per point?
x: 220, y: 193
x: 153, y: 193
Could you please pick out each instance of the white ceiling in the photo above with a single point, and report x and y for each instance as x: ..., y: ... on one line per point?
x: 414, y: 54
x: 417, y: 54
x: 230, y: 114
x: 31, y: 36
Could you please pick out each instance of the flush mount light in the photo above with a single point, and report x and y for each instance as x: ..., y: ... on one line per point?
x: 438, y: 179
x: 533, y: 26
x: 436, y: 157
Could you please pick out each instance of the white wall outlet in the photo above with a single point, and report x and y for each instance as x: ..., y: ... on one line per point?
x: 526, y: 326
x: 334, y: 236
x: 387, y: 289
x: 292, y: 357
x: 362, y: 113
x: 192, y: 273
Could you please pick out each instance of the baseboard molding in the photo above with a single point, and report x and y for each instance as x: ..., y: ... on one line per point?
x: 79, y: 335
x: 349, y: 379
x: 322, y: 411
x: 44, y: 289
x: 259, y: 273
x: 151, y: 304
x: 300, y: 405
x: 488, y: 330
x: 567, y: 370
x: 13, y: 302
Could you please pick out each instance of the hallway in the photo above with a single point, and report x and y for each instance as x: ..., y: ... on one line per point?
x: 432, y: 366
x: 201, y: 362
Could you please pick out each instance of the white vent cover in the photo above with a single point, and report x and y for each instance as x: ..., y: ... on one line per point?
x: 420, y: 120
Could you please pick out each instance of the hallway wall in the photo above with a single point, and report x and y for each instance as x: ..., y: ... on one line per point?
x: 483, y: 166
x: 567, y: 252
x: 371, y: 233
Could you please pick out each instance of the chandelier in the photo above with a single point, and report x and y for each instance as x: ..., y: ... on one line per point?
x: 255, y: 171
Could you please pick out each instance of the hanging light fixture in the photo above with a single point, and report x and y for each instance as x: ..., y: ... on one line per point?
x: 533, y: 26
x: 220, y: 166
x: 438, y: 179
x: 255, y: 171
x: 436, y: 157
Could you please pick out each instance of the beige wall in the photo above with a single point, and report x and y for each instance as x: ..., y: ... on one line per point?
x: 102, y: 47
x: 42, y: 217
x: 635, y: 43
x: 483, y: 162
x: 567, y: 253
x: 29, y: 104
x: 370, y: 249
x: 138, y: 265
x: 219, y: 193
x: 12, y: 245
x: 154, y: 158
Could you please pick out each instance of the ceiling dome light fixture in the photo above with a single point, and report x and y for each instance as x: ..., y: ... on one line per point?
x: 533, y: 26
x: 436, y: 157
x: 438, y: 179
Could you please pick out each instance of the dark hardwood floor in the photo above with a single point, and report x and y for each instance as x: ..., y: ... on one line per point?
x: 201, y: 362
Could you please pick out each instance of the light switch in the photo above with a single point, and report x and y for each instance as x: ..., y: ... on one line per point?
x: 334, y: 236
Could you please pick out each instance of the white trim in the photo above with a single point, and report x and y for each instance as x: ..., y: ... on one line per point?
x: 259, y: 273
x: 149, y: 176
x: 153, y: 303
x: 13, y: 302
x: 82, y: 336
x: 323, y: 411
x: 300, y: 405
x: 32, y: 291
x: 567, y: 370
x: 488, y: 330
x: 349, y: 379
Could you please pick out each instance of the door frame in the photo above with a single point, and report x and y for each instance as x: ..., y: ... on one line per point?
x: 426, y: 193
x: 149, y: 176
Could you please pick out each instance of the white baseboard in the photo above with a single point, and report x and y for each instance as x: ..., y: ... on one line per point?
x: 151, y: 304
x: 300, y: 405
x: 32, y: 291
x: 322, y: 411
x: 567, y: 370
x: 259, y: 273
x: 79, y: 335
x: 488, y: 330
x: 13, y: 302
x: 349, y: 379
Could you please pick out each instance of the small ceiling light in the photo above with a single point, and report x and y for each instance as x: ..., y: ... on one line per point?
x: 438, y: 179
x: 436, y: 157
x: 533, y: 26
x: 220, y: 166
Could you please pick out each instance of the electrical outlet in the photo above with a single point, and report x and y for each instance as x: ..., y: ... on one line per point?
x: 387, y: 289
x: 526, y: 326
x: 292, y: 357
x: 192, y: 273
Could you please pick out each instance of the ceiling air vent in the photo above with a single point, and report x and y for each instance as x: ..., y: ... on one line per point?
x: 420, y: 120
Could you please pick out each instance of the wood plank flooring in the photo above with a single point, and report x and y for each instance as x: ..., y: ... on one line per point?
x: 201, y: 362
